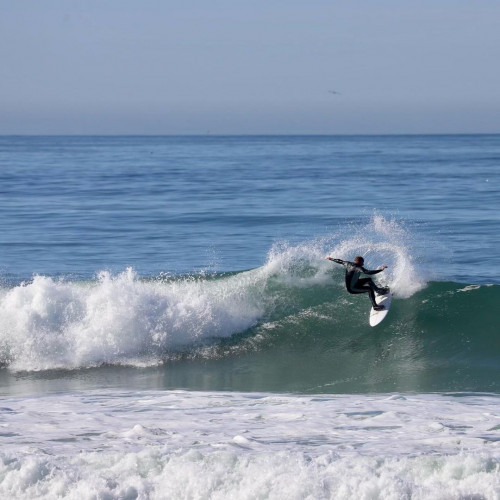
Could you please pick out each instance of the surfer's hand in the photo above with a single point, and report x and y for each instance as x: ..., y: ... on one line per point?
x: 383, y: 267
x: 328, y: 258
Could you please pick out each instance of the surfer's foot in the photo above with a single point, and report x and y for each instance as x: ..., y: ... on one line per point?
x: 383, y: 291
x: 378, y: 308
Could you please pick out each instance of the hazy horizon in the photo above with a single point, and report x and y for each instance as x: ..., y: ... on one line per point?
x: 280, y: 68
x: 458, y: 134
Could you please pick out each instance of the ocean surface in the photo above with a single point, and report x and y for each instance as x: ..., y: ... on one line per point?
x: 170, y: 328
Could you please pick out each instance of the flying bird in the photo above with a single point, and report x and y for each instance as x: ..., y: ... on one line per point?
x: 334, y: 92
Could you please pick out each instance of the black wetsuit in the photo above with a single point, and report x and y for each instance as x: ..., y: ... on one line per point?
x: 355, y: 284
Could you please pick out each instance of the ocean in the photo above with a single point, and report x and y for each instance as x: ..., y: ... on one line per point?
x: 171, y: 329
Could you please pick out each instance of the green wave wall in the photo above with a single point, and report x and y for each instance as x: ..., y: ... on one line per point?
x: 317, y: 339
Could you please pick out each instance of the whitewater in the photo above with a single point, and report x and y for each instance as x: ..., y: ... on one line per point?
x: 179, y: 444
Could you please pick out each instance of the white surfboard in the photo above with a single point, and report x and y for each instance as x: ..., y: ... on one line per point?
x: 377, y: 316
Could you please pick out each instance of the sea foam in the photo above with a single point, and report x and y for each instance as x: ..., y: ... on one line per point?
x: 177, y: 444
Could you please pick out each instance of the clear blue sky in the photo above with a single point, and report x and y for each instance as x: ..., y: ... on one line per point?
x: 249, y: 67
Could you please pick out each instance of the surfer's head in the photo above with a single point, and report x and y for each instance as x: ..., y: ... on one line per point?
x: 359, y: 260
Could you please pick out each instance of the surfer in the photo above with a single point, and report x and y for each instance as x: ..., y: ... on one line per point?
x: 355, y: 284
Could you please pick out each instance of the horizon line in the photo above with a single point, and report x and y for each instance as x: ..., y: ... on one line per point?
x: 365, y: 134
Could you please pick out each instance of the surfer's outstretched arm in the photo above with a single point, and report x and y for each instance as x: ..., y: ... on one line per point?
x: 338, y: 261
x: 376, y: 271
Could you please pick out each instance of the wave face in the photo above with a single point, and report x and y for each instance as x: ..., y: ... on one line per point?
x: 286, y: 326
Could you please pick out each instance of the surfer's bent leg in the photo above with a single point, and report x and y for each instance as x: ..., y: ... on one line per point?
x: 369, y: 282
x: 365, y: 285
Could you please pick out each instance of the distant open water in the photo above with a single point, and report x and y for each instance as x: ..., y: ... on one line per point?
x: 136, y: 267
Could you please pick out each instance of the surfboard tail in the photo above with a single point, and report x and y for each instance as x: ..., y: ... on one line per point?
x: 377, y: 317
